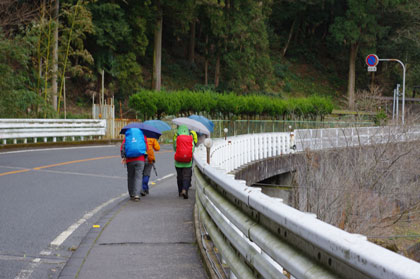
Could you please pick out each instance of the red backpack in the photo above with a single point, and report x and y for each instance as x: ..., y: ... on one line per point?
x: 184, y: 147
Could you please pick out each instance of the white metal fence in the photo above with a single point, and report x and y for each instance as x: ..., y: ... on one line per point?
x: 259, y: 236
x: 44, y: 129
x: 316, y: 139
x: 237, y: 151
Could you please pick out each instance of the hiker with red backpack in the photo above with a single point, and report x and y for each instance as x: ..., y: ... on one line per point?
x: 184, y: 147
x: 133, y: 150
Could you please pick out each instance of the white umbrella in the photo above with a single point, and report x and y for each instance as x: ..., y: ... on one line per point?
x: 192, y: 125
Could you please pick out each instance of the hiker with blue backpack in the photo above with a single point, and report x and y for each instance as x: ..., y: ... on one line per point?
x: 184, y: 147
x: 133, y: 150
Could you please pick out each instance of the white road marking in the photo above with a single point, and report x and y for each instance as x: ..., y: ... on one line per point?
x: 26, y: 273
x: 166, y: 176
x: 57, y: 148
x: 64, y: 235
x: 45, y: 252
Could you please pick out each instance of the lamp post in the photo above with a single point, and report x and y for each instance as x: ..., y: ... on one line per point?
x: 208, y: 143
x: 292, y: 138
x: 372, y: 60
x: 403, y: 90
x: 225, y: 130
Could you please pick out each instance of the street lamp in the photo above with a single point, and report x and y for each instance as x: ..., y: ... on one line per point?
x: 208, y: 143
x: 225, y: 130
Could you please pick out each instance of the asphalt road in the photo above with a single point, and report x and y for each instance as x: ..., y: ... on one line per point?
x: 50, y: 198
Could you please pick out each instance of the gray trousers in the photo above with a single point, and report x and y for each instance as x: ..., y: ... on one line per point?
x: 134, y: 177
x: 147, y: 169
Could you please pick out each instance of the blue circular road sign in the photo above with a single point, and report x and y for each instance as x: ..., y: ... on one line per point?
x: 372, y: 60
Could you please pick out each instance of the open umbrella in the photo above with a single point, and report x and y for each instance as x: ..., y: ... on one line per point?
x: 192, y: 125
x: 148, y: 131
x: 204, y: 120
x: 158, y: 124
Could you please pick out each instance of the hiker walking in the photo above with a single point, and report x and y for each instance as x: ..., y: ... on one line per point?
x: 152, y: 145
x: 133, y: 150
x: 184, y: 148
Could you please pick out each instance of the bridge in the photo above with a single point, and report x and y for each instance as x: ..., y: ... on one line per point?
x: 254, y: 235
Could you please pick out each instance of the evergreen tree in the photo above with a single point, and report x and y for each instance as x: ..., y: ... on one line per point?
x: 360, y: 23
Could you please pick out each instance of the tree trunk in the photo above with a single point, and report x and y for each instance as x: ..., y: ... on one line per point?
x: 206, y: 62
x: 55, y: 56
x: 191, y: 47
x: 352, y: 75
x: 292, y: 28
x: 157, y: 55
x: 217, y: 71
x: 206, y: 67
x: 372, y: 82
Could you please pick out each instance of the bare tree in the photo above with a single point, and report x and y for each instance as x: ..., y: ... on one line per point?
x: 14, y: 13
x: 372, y: 190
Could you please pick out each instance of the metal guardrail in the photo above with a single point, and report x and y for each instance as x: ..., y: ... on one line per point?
x: 14, y: 129
x: 259, y: 236
x: 316, y: 139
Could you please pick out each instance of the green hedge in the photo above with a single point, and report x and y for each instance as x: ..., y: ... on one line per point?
x: 157, y: 104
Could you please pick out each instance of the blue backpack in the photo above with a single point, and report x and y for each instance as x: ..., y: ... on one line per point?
x: 134, y: 143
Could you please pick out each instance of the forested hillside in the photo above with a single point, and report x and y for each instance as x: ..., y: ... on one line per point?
x: 282, y: 49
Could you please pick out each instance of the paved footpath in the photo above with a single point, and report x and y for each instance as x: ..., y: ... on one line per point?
x: 153, y: 238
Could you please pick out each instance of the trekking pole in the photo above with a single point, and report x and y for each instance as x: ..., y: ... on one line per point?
x: 155, y: 169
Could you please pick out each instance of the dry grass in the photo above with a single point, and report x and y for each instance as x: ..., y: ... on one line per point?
x: 374, y: 191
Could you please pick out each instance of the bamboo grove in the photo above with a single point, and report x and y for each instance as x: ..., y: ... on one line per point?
x: 252, y: 48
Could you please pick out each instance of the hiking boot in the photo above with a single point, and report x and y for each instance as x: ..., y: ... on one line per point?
x: 136, y: 198
x: 147, y: 191
x: 143, y: 193
x: 184, y: 193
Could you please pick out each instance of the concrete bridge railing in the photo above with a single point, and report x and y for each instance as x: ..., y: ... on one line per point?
x: 260, y: 236
x: 316, y: 139
x: 14, y: 129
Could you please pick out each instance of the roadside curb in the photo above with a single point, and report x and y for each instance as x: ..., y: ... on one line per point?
x: 78, y: 258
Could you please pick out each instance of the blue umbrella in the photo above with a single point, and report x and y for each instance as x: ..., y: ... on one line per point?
x: 204, y: 120
x: 148, y: 131
x: 158, y: 124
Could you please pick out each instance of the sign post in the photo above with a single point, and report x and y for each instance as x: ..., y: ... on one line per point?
x: 372, y: 60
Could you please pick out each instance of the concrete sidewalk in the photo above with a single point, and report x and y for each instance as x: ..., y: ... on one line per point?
x: 153, y: 238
